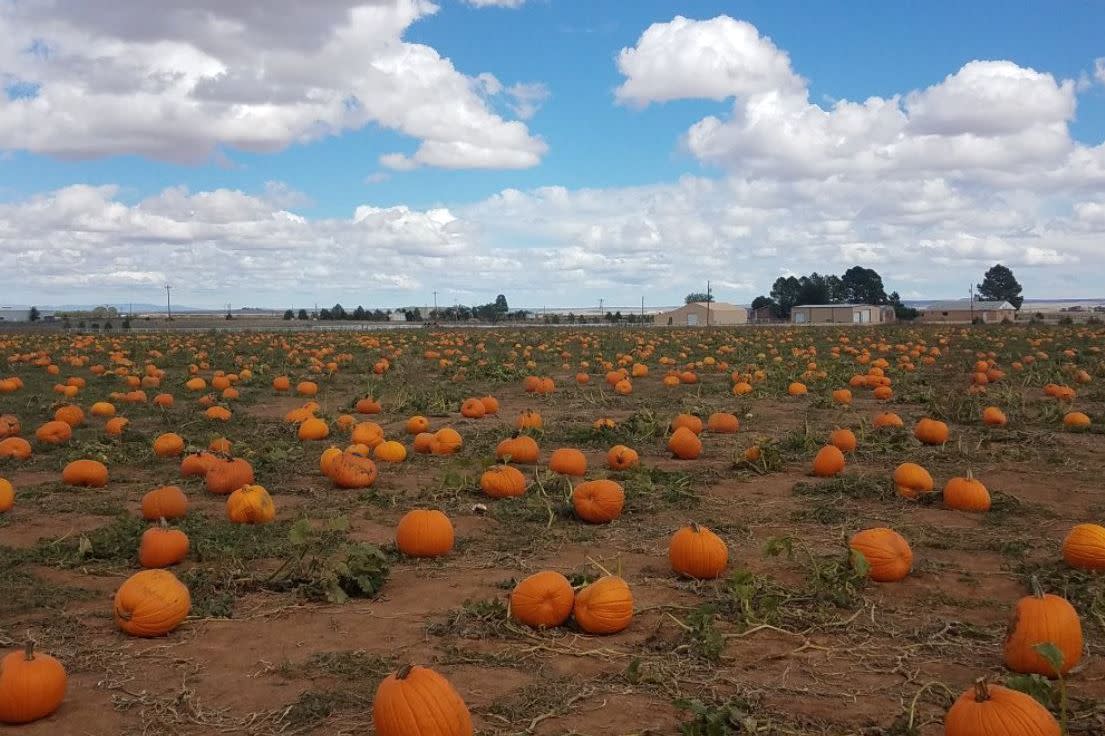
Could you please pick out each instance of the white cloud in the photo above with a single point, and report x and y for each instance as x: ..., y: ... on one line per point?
x: 1099, y: 69
x: 712, y: 59
x: 178, y: 83
x: 527, y: 98
x: 990, y: 121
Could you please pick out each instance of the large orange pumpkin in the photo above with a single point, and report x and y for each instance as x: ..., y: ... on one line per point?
x: 887, y: 553
x: 85, y: 473
x: 598, y: 501
x: 502, y: 481
x: 992, y: 710
x: 424, y: 533
x: 696, y: 552
x: 32, y: 685
x: 1084, y: 547
x: 1037, y: 619
x: 605, y: 606
x: 542, y: 600
x: 416, y: 701
x: 568, y: 461
x: 151, y: 603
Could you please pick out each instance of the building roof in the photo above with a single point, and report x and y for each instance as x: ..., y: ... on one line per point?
x: 959, y: 305
x: 714, y: 307
x: 835, y: 306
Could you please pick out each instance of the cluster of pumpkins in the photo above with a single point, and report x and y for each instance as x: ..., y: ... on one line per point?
x: 1037, y: 619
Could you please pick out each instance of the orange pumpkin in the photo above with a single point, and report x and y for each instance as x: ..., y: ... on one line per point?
x: 598, y: 501
x: 161, y: 546
x: 522, y: 449
x: 472, y: 409
x: 1037, y: 619
x: 16, y: 448
x: 888, y: 420
x: 721, y: 422
x: 696, y: 552
x: 151, y: 603
x: 85, y: 473
x: 828, y: 461
x: 416, y: 701
x: 390, y: 452
x: 446, y: 441
x: 7, y: 495
x: 690, y: 421
x: 32, y: 685
x: 54, y: 432
x: 997, y: 711
x: 224, y: 476
x: 503, y: 481
x: 250, y: 505
x: 169, y: 444
x: 1084, y: 547
x: 168, y: 502
x: 604, y: 607
x: 684, y: 444
x: 542, y: 600
x: 621, y: 458
x: 887, y: 553
x: 993, y: 416
x: 424, y: 533
x: 931, y: 431
x: 843, y: 440
x: 568, y: 461
x: 912, y: 481
x: 966, y: 494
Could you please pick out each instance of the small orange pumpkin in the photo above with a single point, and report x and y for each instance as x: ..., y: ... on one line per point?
x: 696, y: 552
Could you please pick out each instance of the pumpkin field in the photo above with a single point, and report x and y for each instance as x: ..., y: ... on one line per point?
x: 609, y: 531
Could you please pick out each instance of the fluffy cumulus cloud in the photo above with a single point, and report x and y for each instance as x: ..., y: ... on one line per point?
x: 929, y: 186
x: 225, y: 244
x: 98, y: 77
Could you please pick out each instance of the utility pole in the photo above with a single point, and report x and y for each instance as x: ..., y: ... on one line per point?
x: 168, y: 302
x: 707, y: 303
x: 971, y: 292
x: 601, y: 313
x: 642, y: 306
x: 435, y: 301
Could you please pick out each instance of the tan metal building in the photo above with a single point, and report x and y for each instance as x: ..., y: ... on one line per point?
x: 964, y: 311
x: 841, y: 314
x: 696, y: 314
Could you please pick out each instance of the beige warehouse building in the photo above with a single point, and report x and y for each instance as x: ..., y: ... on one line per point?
x: 699, y: 314
x: 841, y: 314
x: 964, y: 311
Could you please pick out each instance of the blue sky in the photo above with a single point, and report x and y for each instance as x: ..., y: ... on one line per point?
x: 594, y: 142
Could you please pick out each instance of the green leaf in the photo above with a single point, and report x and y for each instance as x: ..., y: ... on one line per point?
x: 301, y: 533
x: 1051, y: 653
x: 859, y: 563
x: 339, y: 524
x: 1038, y: 686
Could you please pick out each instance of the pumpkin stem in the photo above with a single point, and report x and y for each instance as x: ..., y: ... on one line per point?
x: 695, y: 527
x: 1037, y: 589
x: 982, y: 693
x: 162, y: 523
x: 29, y: 649
x: 404, y: 671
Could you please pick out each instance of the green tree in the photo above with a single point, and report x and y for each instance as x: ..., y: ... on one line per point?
x: 302, y: 314
x: 863, y: 286
x: 901, y: 311
x: 359, y: 313
x: 784, y: 292
x: 33, y: 315
x: 999, y: 284
x: 501, y: 305
x: 698, y: 296
x: 288, y: 314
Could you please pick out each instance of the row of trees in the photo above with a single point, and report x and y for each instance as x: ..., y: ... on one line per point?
x: 859, y: 285
x: 490, y: 312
